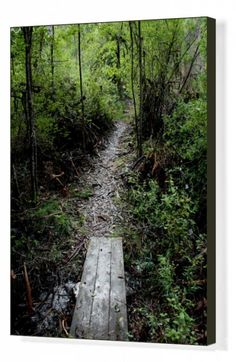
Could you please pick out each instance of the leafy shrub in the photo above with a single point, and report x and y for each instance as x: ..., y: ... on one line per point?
x: 165, y: 274
x: 170, y: 213
x: 186, y: 134
x: 186, y: 129
x: 171, y: 258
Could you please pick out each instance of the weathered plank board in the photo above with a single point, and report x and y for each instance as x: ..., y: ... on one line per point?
x: 118, y: 311
x: 100, y: 311
x: 80, y: 323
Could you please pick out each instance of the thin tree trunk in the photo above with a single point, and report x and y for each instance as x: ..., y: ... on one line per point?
x: 76, y: 49
x: 12, y: 65
x: 190, y: 69
x: 180, y: 59
x: 40, y: 49
x: 52, y: 60
x: 119, y: 85
x: 27, y: 32
x: 140, y: 90
x: 132, y: 83
x: 144, y: 65
x: 118, y: 64
x: 81, y: 87
x: 16, y: 181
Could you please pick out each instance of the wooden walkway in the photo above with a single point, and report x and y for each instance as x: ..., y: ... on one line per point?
x: 100, y: 311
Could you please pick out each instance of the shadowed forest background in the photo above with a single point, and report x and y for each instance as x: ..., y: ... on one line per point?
x: 76, y: 91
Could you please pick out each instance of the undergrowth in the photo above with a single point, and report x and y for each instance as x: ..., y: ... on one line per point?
x: 49, y: 239
x: 165, y: 252
x: 164, y: 229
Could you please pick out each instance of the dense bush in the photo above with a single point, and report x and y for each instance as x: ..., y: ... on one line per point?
x: 167, y: 192
x: 172, y: 258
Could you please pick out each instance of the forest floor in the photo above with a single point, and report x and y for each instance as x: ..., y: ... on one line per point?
x: 55, y: 266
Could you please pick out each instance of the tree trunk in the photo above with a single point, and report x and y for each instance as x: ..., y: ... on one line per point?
x: 119, y: 84
x: 38, y: 58
x: 81, y: 88
x: 190, y: 69
x: 140, y: 90
x: 118, y: 65
x: 132, y: 83
x: 144, y: 65
x: 12, y: 64
x: 27, y: 32
x: 52, y: 61
x: 76, y: 48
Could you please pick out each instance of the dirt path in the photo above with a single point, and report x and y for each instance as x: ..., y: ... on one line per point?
x: 103, y: 178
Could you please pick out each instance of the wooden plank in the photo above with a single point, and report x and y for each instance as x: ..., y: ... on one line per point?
x: 118, y: 326
x: 100, y: 311
x: 81, y: 318
x: 98, y: 328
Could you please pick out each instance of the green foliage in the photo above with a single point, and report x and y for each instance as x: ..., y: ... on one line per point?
x: 49, y: 217
x: 166, y: 274
x: 188, y: 136
x: 145, y: 202
x: 171, y: 212
x: 56, y: 97
x: 171, y: 216
x: 172, y: 257
x: 46, y: 208
x: 181, y: 330
x: 46, y: 223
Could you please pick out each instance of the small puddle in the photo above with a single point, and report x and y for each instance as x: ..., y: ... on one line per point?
x: 54, y: 307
